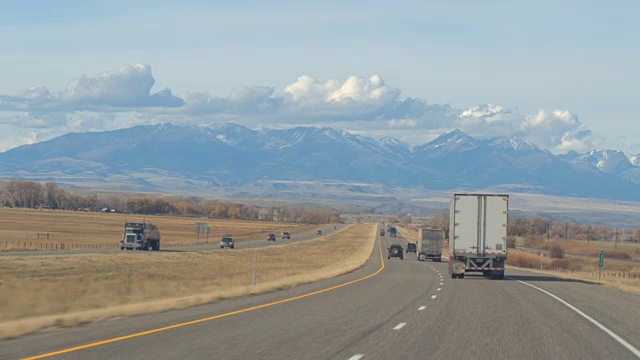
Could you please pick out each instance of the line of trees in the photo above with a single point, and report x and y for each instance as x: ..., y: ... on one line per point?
x: 29, y: 194
x: 543, y: 227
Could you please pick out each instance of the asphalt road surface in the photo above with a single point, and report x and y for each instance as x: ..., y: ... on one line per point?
x: 404, y: 309
x: 214, y: 244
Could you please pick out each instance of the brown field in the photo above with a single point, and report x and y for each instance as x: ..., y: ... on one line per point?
x: 37, y: 292
x: 27, y: 229
x: 623, y: 250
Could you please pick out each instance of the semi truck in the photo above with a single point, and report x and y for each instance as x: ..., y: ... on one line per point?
x: 478, y: 234
x: 140, y: 236
x: 429, y: 244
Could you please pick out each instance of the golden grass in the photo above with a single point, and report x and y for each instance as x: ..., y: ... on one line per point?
x: 27, y: 229
x: 623, y: 250
x: 37, y: 292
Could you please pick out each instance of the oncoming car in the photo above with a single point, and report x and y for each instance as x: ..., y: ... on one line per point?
x: 227, y: 242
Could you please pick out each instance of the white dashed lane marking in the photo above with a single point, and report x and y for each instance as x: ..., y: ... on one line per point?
x: 356, y: 357
x: 433, y: 296
x: 399, y: 326
x: 421, y: 308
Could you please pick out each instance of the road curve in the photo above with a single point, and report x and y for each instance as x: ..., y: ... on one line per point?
x: 409, y: 310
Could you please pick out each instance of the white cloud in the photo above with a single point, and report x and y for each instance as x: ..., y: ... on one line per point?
x: 122, y: 97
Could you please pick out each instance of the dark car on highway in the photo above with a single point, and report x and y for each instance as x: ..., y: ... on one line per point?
x: 271, y: 237
x: 227, y: 242
x: 286, y: 235
x: 411, y: 247
x: 395, y: 250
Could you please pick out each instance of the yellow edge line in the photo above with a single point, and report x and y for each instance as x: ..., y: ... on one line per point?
x: 175, y: 326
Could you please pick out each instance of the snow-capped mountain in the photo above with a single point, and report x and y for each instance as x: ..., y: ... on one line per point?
x: 202, y: 159
x: 514, y: 143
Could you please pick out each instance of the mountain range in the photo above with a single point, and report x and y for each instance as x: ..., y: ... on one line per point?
x: 232, y: 160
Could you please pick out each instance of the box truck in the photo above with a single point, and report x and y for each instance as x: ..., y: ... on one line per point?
x: 430, y: 244
x: 478, y: 234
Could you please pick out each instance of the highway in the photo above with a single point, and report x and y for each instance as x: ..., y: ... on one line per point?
x: 392, y: 309
x: 214, y: 244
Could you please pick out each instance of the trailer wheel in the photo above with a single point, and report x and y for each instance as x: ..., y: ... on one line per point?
x: 461, y: 276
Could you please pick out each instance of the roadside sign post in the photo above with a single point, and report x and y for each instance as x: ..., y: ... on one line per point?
x: 255, y: 260
x: 600, y: 263
x: 202, y: 228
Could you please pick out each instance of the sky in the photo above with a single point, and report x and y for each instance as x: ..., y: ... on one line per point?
x: 562, y: 74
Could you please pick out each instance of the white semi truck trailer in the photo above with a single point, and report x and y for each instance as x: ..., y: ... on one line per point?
x: 478, y: 234
x: 429, y: 244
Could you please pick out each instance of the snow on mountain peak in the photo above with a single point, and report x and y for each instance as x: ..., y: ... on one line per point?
x: 514, y: 142
x: 634, y: 159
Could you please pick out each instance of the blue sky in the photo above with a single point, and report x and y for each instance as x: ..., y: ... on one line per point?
x: 563, y: 74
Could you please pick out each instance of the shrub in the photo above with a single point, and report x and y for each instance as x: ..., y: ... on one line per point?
x: 511, y: 243
x: 557, y: 252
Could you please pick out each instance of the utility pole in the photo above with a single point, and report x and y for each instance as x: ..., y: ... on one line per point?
x: 616, y: 244
x: 566, y: 230
x: 588, y: 234
x: 548, y: 229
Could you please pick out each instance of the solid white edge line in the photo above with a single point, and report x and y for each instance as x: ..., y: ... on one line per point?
x: 399, y: 326
x: 421, y: 308
x: 356, y: 357
x: 635, y: 351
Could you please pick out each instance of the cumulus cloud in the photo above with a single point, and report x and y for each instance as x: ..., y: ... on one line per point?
x: 125, y: 87
x: 123, y: 97
x: 555, y: 130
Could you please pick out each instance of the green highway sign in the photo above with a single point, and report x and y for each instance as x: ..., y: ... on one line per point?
x: 601, y: 261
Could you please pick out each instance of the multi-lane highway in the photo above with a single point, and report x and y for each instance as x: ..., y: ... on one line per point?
x: 214, y: 244
x: 389, y: 309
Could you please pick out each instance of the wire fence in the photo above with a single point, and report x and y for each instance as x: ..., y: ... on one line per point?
x: 604, y: 274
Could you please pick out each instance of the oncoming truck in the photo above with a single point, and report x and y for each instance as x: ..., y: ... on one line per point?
x: 478, y: 234
x: 140, y: 236
x: 429, y: 244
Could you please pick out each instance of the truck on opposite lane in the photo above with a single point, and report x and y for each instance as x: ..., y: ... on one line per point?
x: 140, y: 236
x: 478, y: 234
x: 429, y: 244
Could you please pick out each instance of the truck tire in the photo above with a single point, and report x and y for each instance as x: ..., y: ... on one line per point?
x: 461, y: 276
x: 121, y: 248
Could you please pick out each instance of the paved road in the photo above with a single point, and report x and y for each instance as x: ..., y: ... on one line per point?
x: 409, y: 310
x: 213, y: 245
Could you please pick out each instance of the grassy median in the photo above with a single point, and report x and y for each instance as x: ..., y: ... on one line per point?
x: 37, y: 292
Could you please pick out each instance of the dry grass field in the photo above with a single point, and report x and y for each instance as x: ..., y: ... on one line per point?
x: 27, y: 229
x: 37, y: 292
